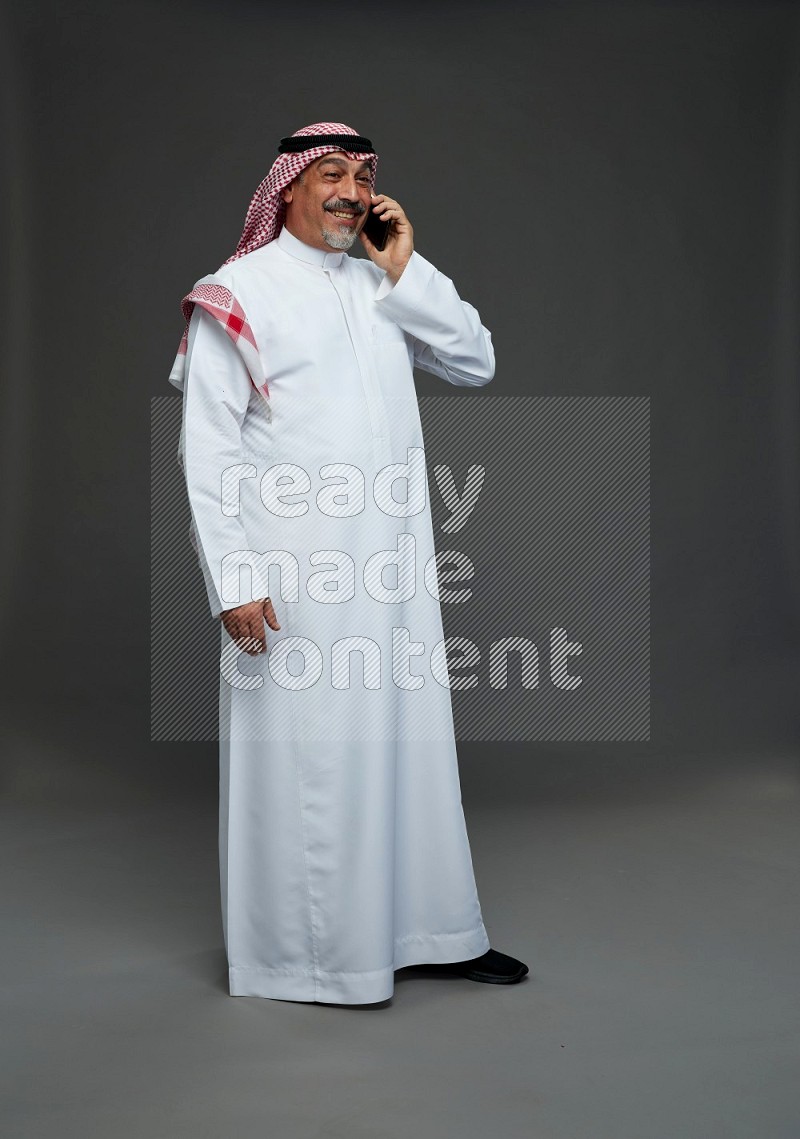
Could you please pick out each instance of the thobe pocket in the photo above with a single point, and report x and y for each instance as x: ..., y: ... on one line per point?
x: 387, y: 333
x: 392, y: 357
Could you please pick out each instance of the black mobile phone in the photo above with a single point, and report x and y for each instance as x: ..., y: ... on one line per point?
x: 376, y: 230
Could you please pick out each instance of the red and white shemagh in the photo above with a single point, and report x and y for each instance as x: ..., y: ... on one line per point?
x: 263, y: 222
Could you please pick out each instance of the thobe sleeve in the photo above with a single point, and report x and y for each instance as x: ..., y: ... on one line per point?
x: 216, y: 394
x: 449, y: 339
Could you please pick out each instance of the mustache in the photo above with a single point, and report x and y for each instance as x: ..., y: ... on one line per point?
x: 350, y: 207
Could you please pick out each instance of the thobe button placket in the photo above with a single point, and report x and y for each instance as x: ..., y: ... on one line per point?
x: 377, y: 418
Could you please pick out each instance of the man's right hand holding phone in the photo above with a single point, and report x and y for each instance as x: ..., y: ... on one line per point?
x: 400, y: 239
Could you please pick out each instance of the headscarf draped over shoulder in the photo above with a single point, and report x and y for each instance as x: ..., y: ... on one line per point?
x: 263, y: 222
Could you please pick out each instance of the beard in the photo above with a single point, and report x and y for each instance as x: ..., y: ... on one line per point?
x: 339, y: 239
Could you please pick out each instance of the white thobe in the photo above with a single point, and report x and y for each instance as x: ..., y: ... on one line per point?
x: 343, y: 848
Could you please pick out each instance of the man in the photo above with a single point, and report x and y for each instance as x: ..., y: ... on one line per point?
x: 343, y: 848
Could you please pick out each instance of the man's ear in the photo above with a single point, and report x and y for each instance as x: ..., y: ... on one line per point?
x: 286, y: 193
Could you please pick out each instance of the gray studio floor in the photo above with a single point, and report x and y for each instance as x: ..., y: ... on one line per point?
x: 655, y: 902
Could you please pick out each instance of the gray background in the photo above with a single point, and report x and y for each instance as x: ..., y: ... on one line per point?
x: 615, y: 187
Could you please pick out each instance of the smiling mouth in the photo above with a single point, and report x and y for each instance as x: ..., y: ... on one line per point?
x: 344, y: 216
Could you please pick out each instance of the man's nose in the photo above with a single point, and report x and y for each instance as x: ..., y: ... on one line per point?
x: 348, y: 188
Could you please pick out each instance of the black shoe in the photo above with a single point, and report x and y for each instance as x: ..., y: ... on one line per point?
x: 491, y: 967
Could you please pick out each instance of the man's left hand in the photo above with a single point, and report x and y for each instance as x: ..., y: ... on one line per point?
x: 400, y: 241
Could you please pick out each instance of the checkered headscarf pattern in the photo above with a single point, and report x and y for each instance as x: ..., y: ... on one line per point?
x: 263, y: 222
x: 219, y: 302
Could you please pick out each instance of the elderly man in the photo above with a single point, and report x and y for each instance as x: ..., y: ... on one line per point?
x: 343, y: 848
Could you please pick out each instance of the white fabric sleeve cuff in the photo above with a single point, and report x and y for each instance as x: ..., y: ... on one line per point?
x: 410, y: 288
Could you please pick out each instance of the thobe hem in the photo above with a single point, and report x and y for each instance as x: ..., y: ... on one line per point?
x: 357, y: 988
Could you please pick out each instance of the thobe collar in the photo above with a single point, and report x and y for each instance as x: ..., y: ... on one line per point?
x: 297, y: 248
